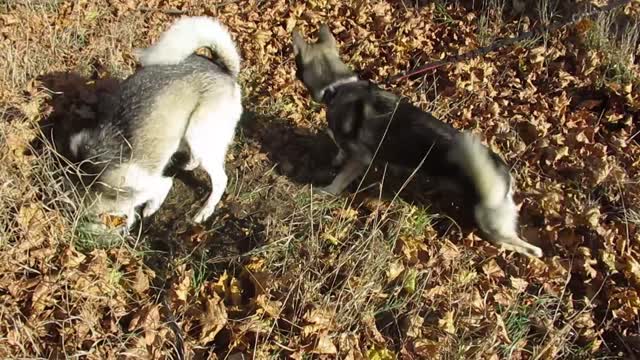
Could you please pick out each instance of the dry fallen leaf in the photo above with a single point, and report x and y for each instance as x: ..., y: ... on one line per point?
x: 561, y: 114
x: 446, y: 323
x: 213, y: 318
x: 272, y: 308
x: 141, y: 281
x: 492, y: 269
x: 325, y: 345
x: 182, y: 287
x: 395, y: 269
x: 379, y: 354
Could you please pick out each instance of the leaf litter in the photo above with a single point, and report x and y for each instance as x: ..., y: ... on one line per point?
x: 552, y: 110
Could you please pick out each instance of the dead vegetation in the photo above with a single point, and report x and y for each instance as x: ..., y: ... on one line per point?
x: 282, y: 273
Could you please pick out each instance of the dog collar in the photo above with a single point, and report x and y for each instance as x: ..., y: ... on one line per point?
x: 327, y: 93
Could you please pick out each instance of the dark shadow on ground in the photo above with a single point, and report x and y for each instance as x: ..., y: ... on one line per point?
x: 305, y: 157
x: 74, y: 104
x: 300, y: 154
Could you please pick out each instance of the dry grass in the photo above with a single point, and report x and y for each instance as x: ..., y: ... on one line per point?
x: 620, y: 41
x: 281, y: 272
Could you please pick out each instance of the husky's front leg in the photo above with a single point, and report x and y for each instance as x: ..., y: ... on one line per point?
x: 349, y: 172
x: 340, y: 158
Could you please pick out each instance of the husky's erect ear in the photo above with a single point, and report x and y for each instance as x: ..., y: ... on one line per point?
x: 325, y: 36
x: 299, y: 45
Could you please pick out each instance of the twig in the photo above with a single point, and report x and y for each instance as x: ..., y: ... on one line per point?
x: 164, y: 11
x: 507, y: 42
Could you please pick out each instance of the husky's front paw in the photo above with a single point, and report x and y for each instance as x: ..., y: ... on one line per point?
x: 325, y: 190
x: 202, y: 216
x: 191, y: 165
x: 339, y: 159
x: 150, y: 208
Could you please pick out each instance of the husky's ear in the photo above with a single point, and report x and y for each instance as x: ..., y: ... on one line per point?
x: 325, y: 35
x: 299, y: 45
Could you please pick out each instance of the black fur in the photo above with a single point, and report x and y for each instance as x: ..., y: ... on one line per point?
x: 361, y: 112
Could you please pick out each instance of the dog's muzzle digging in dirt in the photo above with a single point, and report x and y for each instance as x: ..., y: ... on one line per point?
x: 366, y: 121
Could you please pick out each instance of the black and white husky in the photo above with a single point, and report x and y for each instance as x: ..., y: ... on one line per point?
x: 175, y: 99
x: 365, y: 120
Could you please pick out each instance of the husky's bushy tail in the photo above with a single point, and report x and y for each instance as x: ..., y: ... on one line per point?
x: 185, y: 36
x: 495, y: 211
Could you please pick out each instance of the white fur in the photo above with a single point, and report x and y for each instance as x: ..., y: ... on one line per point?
x: 336, y: 84
x: 211, y: 131
x: 187, y: 35
x: 474, y: 158
x: 138, y: 187
x: 496, y: 213
x: 76, y: 141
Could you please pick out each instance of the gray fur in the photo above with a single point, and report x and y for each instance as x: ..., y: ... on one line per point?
x: 169, y: 104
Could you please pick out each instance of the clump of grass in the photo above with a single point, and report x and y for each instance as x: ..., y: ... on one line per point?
x: 442, y: 15
x: 546, y: 13
x: 619, y: 46
x: 337, y: 259
x: 632, y: 216
x: 90, y: 235
x: 490, y: 21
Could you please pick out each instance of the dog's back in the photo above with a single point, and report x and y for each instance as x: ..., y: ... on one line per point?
x: 401, y: 133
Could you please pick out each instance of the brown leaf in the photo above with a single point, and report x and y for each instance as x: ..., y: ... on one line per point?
x: 32, y: 220
x: 625, y: 304
x: 590, y: 104
x: 257, y: 275
x: 181, y: 288
x: 371, y: 329
x: 141, y: 281
x: 221, y: 286
x: 446, y: 323
x: 584, y: 263
x: 492, y: 269
x: 213, y: 319
x: 325, y: 345
x: 319, y: 316
x: 146, y: 318
x: 395, y: 269
x: 41, y: 296
x: 415, y: 326
x: 519, y: 284
x: 631, y: 269
x: 72, y: 258
x: 234, y: 292
x: 502, y: 329
x: 272, y: 308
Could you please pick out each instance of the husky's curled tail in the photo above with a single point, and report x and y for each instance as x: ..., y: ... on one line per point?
x: 187, y: 35
x: 495, y: 211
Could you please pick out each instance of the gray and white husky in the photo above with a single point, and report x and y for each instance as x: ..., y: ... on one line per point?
x: 176, y: 99
x: 366, y: 121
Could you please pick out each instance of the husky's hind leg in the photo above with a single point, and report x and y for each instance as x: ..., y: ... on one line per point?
x: 218, y: 187
x: 209, y: 135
